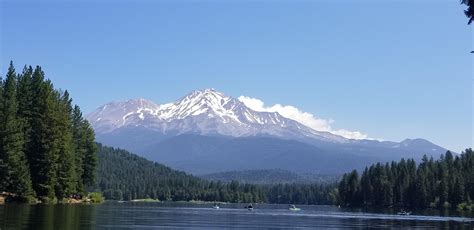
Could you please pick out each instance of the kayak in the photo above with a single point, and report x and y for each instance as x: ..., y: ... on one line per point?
x: 295, y: 209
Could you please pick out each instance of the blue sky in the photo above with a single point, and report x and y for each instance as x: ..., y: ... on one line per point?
x: 389, y: 69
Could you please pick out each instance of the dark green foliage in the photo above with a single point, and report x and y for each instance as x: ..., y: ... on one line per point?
x: 123, y: 175
x: 15, y: 168
x: 90, y: 158
x: 3, y: 165
x: 316, y: 194
x: 270, y: 176
x: 126, y: 176
x: 39, y: 144
x: 445, y: 182
x: 349, y: 189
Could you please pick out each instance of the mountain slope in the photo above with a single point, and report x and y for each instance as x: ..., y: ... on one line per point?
x: 205, y: 112
x: 123, y: 175
x: 207, y: 131
x: 200, y: 154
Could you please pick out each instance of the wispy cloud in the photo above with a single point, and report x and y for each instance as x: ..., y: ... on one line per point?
x: 304, y: 118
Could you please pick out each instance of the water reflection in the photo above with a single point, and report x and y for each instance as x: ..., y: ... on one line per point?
x: 203, y: 216
x: 22, y: 216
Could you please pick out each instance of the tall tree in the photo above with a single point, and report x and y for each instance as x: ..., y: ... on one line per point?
x: 46, y: 147
x: 17, y: 178
x: 3, y: 166
x: 42, y: 155
x: 67, y: 179
x: 90, y: 158
x: 25, y: 99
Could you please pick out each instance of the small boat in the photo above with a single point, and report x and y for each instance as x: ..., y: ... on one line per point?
x: 215, y: 206
x: 294, y: 208
x: 404, y: 213
x: 250, y: 207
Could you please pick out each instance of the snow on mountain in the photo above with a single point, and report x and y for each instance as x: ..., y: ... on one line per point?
x: 207, y: 131
x: 204, y: 112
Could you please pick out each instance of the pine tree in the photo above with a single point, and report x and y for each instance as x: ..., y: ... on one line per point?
x: 420, y: 190
x: 25, y: 99
x: 3, y: 166
x: 42, y: 154
x: 443, y: 187
x: 43, y: 136
x: 79, y: 140
x: 67, y: 179
x: 17, y: 177
x: 443, y: 190
x: 457, y: 195
x: 90, y: 157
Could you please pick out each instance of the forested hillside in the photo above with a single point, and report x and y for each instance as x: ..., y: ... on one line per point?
x: 271, y: 176
x: 47, y: 149
x: 123, y: 175
x: 446, y: 182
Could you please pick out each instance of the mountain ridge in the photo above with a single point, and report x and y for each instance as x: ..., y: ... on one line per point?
x: 220, y: 129
x: 202, y: 111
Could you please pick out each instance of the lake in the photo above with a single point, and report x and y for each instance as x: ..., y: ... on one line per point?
x: 176, y: 215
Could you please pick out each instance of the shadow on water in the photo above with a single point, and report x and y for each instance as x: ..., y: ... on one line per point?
x: 112, y: 215
x: 23, y: 216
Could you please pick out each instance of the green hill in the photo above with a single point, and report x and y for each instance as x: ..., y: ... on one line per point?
x: 123, y: 175
x: 270, y: 176
x: 126, y: 176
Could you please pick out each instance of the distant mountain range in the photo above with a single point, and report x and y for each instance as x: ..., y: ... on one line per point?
x: 207, y: 132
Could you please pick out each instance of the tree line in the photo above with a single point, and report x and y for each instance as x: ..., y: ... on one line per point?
x: 271, y: 176
x: 447, y: 182
x: 48, y: 151
x: 47, y: 148
x: 126, y: 176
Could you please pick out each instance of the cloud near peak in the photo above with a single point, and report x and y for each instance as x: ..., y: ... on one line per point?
x: 304, y: 118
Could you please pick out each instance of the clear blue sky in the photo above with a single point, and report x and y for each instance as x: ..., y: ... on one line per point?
x: 393, y: 70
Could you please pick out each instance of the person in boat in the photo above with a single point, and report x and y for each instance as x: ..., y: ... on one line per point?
x: 404, y: 213
x: 250, y: 206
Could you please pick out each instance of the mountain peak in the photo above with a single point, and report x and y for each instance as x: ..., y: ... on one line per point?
x: 206, y: 96
x: 207, y: 90
x: 204, y: 111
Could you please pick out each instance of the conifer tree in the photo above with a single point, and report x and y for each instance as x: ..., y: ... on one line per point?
x: 46, y: 147
x: 43, y: 155
x: 17, y: 178
x: 90, y: 157
x: 67, y: 179
x: 3, y: 166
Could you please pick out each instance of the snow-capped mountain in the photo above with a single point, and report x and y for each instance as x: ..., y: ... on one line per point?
x: 207, y: 131
x: 205, y: 112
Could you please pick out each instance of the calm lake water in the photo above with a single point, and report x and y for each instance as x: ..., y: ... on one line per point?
x: 201, y: 216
